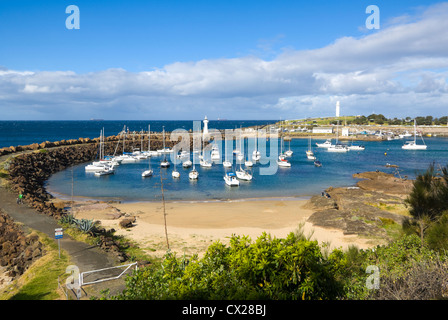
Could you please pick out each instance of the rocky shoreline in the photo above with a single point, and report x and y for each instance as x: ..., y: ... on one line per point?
x: 375, y: 202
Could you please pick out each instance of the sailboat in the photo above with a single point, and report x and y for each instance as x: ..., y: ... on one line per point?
x: 165, y: 163
x: 149, y: 172
x: 150, y: 153
x: 309, y: 152
x: 289, y: 152
x: 247, y: 162
x: 256, y: 154
x: 241, y: 173
x: 215, y: 156
x: 281, y: 161
x: 355, y: 147
x: 101, y: 167
x: 193, y: 174
x: 202, y: 161
x: 337, y: 147
x: 412, y: 145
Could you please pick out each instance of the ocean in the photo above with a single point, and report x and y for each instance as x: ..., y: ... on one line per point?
x: 15, y: 133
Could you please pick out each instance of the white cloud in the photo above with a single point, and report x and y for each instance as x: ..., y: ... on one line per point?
x: 403, y: 65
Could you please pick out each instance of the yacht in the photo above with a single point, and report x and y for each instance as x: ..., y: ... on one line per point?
x: 186, y: 164
x: 354, y: 147
x: 105, y: 171
x: 309, y: 152
x: 205, y: 163
x: 165, y: 163
x: 231, y: 179
x: 326, y: 144
x: 289, y: 152
x: 193, y: 174
x: 215, y: 156
x: 338, y: 148
x: 317, y: 163
x: 412, y: 145
x: 147, y: 173
x: 282, y: 162
x: 243, y: 174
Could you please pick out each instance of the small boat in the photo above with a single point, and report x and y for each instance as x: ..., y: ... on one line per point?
x: 317, y: 163
x: 354, y: 147
x: 338, y: 148
x: 227, y: 164
x: 326, y: 144
x: 105, y: 171
x: 231, y: 179
x: 282, y: 162
x: 186, y: 164
x: 412, y: 145
x: 309, y: 152
x: 205, y: 163
x: 193, y: 174
x: 165, y: 163
x: 243, y: 174
x: 215, y: 156
x: 289, y: 152
x: 147, y: 173
x: 175, y: 174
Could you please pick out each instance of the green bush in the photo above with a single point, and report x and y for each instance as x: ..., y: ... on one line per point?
x: 269, y: 268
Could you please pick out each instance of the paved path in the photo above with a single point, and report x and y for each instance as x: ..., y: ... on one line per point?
x: 84, y: 256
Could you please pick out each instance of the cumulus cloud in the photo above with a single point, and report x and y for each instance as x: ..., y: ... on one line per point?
x: 402, y: 65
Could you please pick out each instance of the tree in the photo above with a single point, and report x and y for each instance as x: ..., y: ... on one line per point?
x: 428, y: 199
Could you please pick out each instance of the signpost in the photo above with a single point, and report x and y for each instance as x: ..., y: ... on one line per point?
x: 58, y: 233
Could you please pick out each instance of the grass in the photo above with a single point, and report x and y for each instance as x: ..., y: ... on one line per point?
x: 40, y: 281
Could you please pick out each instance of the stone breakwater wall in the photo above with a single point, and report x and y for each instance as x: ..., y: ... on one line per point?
x: 28, y: 171
x: 17, y: 250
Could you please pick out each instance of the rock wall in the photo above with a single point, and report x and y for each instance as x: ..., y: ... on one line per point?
x: 17, y: 250
x: 28, y: 171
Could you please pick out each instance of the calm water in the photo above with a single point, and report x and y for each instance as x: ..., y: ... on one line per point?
x: 303, y: 179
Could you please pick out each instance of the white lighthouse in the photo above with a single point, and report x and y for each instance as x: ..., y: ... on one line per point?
x: 205, y: 132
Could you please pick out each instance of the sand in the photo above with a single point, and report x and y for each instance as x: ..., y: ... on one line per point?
x: 193, y: 226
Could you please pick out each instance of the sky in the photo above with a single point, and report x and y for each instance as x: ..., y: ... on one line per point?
x: 182, y: 60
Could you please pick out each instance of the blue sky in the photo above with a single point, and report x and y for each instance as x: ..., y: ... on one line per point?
x: 227, y: 59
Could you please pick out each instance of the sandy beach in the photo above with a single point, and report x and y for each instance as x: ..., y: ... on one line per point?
x: 193, y: 226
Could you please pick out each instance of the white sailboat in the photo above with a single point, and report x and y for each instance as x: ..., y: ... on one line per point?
x: 337, y: 147
x: 256, y: 156
x: 282, y: 161
x: 309, y: 153
x: 165, y: 163
x: 231, y: 179
x: 193, y: 174
x: 215, y: 156
x: 247, y: 162
x: 202, y: 161
x: 412, y: 145
x: 289, y: 152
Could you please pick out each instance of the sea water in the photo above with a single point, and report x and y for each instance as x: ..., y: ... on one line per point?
x: 301, y: 180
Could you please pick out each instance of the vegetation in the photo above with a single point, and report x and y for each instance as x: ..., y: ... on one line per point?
x: 39, y: 282
x: 414, y: 266
x: 428, y: 201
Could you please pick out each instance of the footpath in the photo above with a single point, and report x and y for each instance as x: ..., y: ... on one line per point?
x: 82, y: 255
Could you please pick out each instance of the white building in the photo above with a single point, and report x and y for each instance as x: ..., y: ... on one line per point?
x: 323, y: 130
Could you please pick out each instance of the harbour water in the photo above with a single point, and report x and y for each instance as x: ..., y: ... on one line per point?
x: 301, y: 180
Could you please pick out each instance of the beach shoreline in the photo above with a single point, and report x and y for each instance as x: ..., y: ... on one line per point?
x: 193, y: 226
